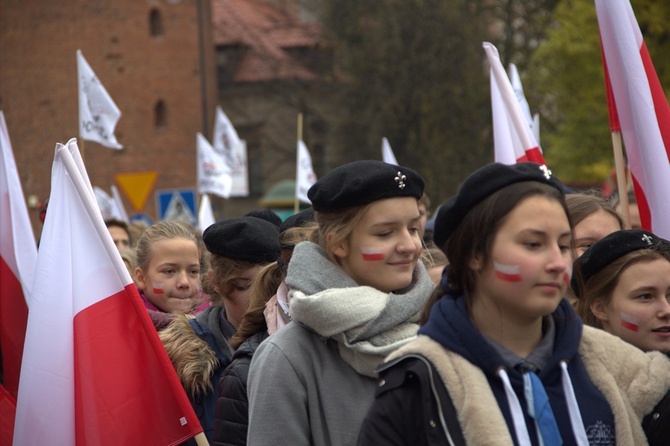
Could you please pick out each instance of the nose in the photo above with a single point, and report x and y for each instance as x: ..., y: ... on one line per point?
x: 182, y: 280
x: 664, y: 308
x: 409, y: 242
x: 558, y: 259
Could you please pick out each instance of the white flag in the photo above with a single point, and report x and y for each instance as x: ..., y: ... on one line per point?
x: 213, y: 173
x: 98, y: 114
x: 533, y: 121
x: 387, y: 153
x: 513, y: 139
x: 205, y: 213
x: 228, y: 144
x: 305, y: 176
x: 109, y: 206
x: 120, y: 209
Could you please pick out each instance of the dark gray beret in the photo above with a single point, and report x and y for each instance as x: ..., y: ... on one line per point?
x: 249, y: 239
x: 610, y: 248
x: 479, y: 185
x: 363, y: 182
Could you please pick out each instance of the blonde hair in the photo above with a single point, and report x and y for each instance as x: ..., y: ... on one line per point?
x: 335, y: 227
x: 218, y: 282
x: 163, y: 230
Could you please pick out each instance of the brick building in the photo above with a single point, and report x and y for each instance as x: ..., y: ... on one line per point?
x: 167, y: 69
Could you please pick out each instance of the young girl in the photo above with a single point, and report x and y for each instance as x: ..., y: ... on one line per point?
x: 355, y: 293
x: 592, y: 218
x: 514, y: 365
x: 168, y: 272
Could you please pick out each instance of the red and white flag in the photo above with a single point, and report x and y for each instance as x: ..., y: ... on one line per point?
x: 387, y: 153
x: 513, y: 139
x: 642, y: 110
x: 18, y: 256
x: 94, y: 370
x: 98, y: 114
x: 305, y: 176
x: 533, y: 120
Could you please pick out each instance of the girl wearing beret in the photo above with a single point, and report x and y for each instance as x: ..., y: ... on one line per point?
x: 355, y: 294
x: 514, y: 363
x: 168, y: 272
x: 199, y: 347
x: 623, y: 286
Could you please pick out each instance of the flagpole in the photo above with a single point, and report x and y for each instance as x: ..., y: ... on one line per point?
x: 296, y: 203
x: 620, y: 167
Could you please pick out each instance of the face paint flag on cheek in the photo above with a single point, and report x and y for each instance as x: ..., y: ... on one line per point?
x: 158, y: 288
x: 629, y: 322
x: 567, y: 276
x: 372, y: 254
x: 507, y: 273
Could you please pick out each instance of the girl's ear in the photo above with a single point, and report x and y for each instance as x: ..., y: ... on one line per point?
x: 599, y: 310
x: 140, y: 279
x: 340, y: 249
x: 476, y: 262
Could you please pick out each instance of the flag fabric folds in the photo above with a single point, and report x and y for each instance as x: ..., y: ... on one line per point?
x: 228, y: 144
x: 213, y: 172
x: 108, y: 205
x: 94, y: 370
x: 642, y: 110
x: 98, y: 114
x: 18, y: 256
x: 205, y: 213
x: 118, y: 203
x: 513, y: 139
x: 387, y: 153
x: 305, y: 176
x: 533, y: 120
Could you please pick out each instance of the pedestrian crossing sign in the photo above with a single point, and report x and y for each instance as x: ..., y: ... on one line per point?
x: 177, y: 205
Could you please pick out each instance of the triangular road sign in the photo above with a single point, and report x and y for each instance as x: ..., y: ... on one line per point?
x: 137, y: 186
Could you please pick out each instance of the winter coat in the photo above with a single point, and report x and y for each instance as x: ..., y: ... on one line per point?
x: 232, y: 406
x: 615, y: 384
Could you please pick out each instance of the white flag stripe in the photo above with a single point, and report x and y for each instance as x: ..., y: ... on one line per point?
x: 387, y: 152
x: 120, y: 209
x: 228, y: 144
x: 98, y: 114
x: 213, y: 172
x: 205, y: 213
x: 17, y: 241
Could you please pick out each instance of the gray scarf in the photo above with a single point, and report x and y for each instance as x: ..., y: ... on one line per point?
x: 366, y: 323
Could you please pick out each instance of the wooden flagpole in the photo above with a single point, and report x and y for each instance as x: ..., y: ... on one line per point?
x: 622, y: 184
x: 296, y: 203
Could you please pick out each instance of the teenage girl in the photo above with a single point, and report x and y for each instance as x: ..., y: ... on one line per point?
x: 355, y: 293
x: 514, y: 364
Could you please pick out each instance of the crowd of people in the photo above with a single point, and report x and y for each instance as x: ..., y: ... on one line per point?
x: 522, y: 313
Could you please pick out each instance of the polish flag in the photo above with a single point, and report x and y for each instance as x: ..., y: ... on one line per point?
x: 372, y: 254
x: 629, y: 322
x: 514, y: 141
x: 642, y: 109
x: 94, y: 370
x: 18, y: 256
x: 507, y: 273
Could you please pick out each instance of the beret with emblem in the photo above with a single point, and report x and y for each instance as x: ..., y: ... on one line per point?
x: 362, y: 182
x: 479, y: 185
x: 249, y: 239
x: 610, y: 248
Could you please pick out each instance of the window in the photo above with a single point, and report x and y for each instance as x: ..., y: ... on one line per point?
x: 160, y: 114
x: 155, y: 22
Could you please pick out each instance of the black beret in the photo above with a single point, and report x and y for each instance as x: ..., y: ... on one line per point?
x: 363, y: 182
x: 297, y: 220
x: 249, y: 239
x: 612, y: 247
x: 265, y: 214
x: 479, y: 185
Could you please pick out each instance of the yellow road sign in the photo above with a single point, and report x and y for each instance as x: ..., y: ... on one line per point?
x: 137, y: 186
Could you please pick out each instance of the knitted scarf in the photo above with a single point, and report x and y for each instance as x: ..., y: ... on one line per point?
x: 366, y: 323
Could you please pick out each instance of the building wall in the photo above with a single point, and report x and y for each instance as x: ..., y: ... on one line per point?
x: 38, y: 86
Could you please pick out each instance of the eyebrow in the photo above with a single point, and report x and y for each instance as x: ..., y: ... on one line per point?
x: 396, y: 222
x: 543, y: 233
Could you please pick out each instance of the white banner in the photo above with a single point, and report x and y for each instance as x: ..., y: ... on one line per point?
x: 98, y: 114
x: 228, y: 144
x: 213, y: 173
x: 305, y: 176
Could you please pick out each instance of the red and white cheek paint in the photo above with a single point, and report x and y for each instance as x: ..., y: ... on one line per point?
x: 157, y: 288
x: 567, y: 276
x: 372, y: 254
x: 629, y: 322
x: 507, y: 273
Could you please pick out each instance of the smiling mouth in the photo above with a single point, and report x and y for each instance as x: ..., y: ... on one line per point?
x: 661, y: 330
